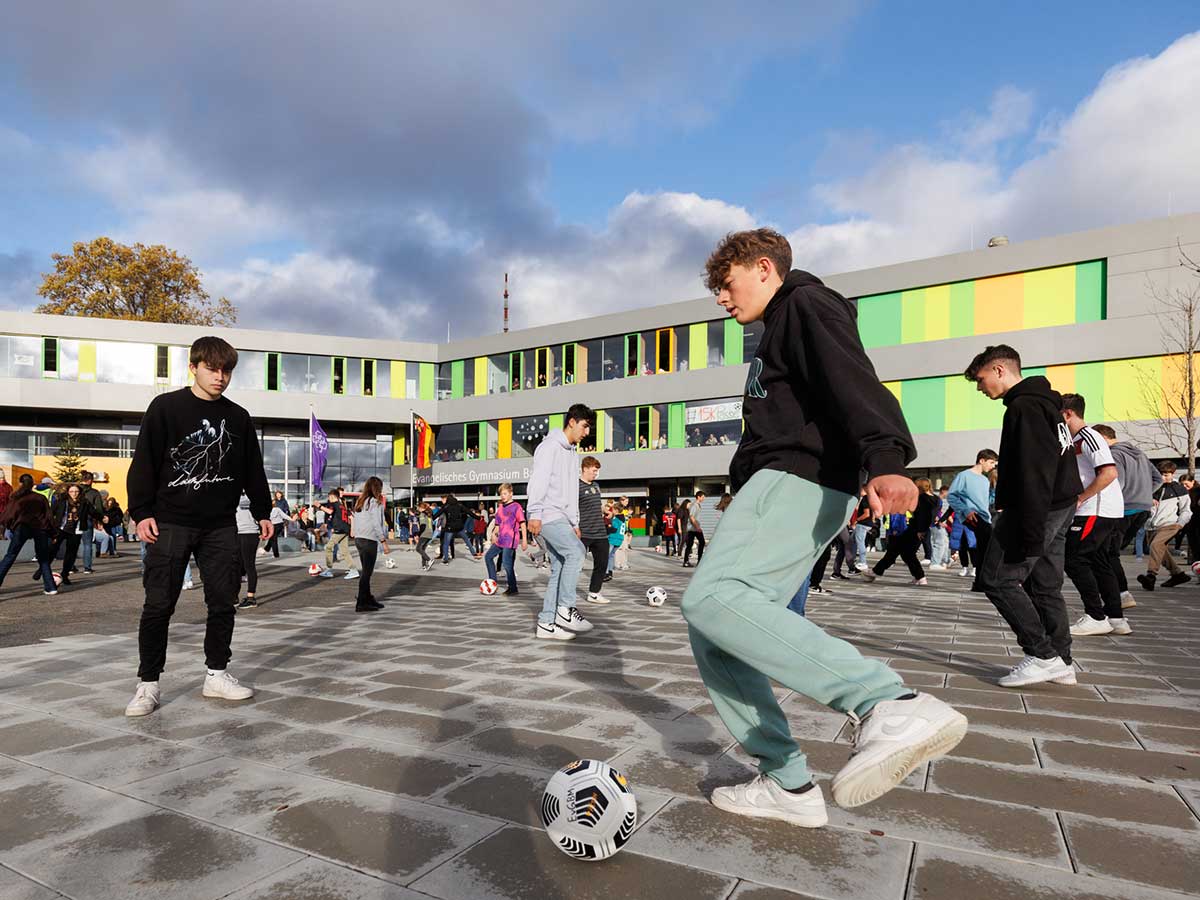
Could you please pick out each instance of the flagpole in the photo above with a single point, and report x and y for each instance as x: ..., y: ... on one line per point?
x: 412, y: 459
x: 311, y: 415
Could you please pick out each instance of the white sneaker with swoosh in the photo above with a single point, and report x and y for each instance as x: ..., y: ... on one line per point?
x: 762, y: 798
x: 893, y: 740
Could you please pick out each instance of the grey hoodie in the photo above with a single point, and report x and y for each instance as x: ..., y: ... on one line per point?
x: 1139, y: 477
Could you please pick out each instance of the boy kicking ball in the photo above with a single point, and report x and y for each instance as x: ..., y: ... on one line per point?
x: 815, y: 416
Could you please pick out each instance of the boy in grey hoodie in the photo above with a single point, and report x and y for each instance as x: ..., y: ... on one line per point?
x: 1139, y: 479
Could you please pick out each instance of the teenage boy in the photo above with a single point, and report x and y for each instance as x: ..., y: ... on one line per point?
x: 95, y: 503
x: 1172, y: 512
x: 554, y: 516
x: 197, y: 452
x: 337, y: 518
x: 968, y: 497
x: 695, y: 531
x: 1100, y: 511
x: 815, y: 415
x: 510, y: 529
x: 1036, y: 490
x: 592, y: 529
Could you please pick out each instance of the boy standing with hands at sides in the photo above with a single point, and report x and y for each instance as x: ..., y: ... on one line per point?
x: 815, y: 417
x: 510, y: 528
x: 197, y: 452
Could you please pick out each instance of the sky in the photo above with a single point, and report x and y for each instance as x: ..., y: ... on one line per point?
x: 367, y: 168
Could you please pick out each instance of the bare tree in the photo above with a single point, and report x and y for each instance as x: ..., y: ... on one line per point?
x: 1177, y: 310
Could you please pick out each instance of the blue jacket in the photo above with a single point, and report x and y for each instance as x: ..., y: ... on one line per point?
x: 969, y: 492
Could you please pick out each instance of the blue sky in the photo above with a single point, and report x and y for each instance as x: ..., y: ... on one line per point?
x: 357, y: 169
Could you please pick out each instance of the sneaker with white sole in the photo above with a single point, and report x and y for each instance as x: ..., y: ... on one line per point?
x: 552, y: 632
x: 351, y: 575
x: 1127, y: 601
x: 326, y: 573
x: 895, y: 738
x: 1120, y: 626
x: 937, y: 567
x: 763, y: 798
x: 1067, y: 677
x: 921, y: 581
x: 868, y: 575
x: 597, y: 598
x: 568, y: 617
x: 224, y: 686
x: 145, y: 700
x: 188, y: 585
x: 1086, y: 625
x: 1033, y: 670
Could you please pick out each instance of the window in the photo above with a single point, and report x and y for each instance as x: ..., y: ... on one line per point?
x: 444, y: 377
x: 19, y: 357
x: 354, y: 376
x: 651, y: 427
x: 412, y: 379
x: 527, y: 433
x: 383, y: 377
x: 339, y: 374
x: 497, y: 374
x: 468, y: 377
x: 368, y: 378
x: 716, y: 343
x: 633, y: 355
x: 709, y: 423
x: 751, y: 335
x: 545, y: 361
x: 589, y: 356
x: 162, y: 363
x: 272, y: 371
x: 473, y: 439
x: 121, y: 363
x: 68, y: 360
x: 569, y: 352
x: 614, y: 357
x: 448, y: 443
x: 50, y: 357
x: 181, y: 374
x: 295, y: 372
x: 274, y: 458
x: 664, y: 352
x: 622, y: 429
x: 249, y: 371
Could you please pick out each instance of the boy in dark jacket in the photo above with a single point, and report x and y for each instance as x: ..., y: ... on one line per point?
x: 1038, y: 484
x: 815, y: 416
x: 197, y: 452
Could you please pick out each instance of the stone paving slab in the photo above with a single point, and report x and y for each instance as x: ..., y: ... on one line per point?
x: 397, y: 755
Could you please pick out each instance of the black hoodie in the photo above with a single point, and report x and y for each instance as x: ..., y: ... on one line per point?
x: 813, y: 405
x: 1037, y: 473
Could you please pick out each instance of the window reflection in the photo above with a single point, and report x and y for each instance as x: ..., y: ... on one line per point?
x: 124, y: 363
x: 527, y: 433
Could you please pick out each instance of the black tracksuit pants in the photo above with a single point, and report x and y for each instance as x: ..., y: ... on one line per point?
x: 1089, y: 565
x: 905, y: 546
x: 599, y: 548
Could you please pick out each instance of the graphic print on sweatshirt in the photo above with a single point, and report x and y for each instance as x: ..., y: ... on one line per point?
x: 200, y: 458
x: 754, y: 386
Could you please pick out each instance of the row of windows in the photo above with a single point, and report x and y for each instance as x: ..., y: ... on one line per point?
x: 660, y: 426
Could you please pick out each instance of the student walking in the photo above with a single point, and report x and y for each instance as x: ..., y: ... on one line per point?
x: 456, y: 523
x: 669, y: 518
x: 554, y: 516
x: 815, y: 415
x: 369, y: 529
x: 1100, y: 511
x: 940, y: 532
x: 95, y: 504
x: 72, y: 523
x: 510, y: 532
x: 27, y: 518
x: 615, y: 525
x: 695, y: 531
x: 1139, y: 479
x: 424, y: 534
x: 337, y: 517
x: 969, y: 496
x: 197, y: 452
x: 907, y: 543
x: 1172, y: 512
x: 1036, y: 492
x: 247, y: 539
x: 592, y: 529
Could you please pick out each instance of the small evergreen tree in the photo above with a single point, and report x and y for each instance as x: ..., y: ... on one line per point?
x: 68, y: 464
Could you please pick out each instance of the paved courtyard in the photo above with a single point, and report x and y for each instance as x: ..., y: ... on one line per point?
x: 402, y: 754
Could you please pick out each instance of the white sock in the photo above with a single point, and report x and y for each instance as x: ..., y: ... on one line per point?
x: 213, y: 673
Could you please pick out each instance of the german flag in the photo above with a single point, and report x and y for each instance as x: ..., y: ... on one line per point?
x: 423, y: 458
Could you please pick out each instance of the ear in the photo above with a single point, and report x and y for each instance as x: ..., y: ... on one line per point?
x: 764, y: 267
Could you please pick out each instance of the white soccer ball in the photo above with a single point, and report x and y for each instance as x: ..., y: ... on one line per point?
x: 588, y: 810
x: 656, y: 596
x: 487, y: 586
x: 314, y: 570
x: 390, y: 563
x: 1196, y: 568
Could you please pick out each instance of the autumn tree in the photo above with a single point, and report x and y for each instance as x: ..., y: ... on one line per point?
x: 107, y: 280
x: 68, y: 464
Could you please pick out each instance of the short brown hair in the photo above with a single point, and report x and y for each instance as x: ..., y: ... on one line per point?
x: 589, y: 461
x: 1105, y: 431
x: 744, y: 248
x: 214, y: 352
x: 923, y: 484
x: 1167, y: 467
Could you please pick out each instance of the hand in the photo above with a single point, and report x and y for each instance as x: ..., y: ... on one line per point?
x: 147, y: 530
x: 971, y: 518
x: 265, y: 529
x: 535, y: 527
x: 524, y: 545
x: 384, y: 545
x: 578, y: 534
x: 888, y: 494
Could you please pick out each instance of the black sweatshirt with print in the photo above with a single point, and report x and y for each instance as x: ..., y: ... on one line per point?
x: 813, y: 404
x: 194, y: 458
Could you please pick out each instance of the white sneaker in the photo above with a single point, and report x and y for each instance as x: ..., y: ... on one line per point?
x: 1087, y: 625
x: 351, y: 575
x: 326, y: 573
x: 964, y: 571
x: 570, y: 619
x: 262, y: 551
x: 1127, y: 601
x: 597, y: 598
x: 552, y: 633
x: 1032, y: 670
x: 894, y: 739
x: 145, y: 700
x: 1120, y: 626
x: 922, y: 581
x: 187, y: 585
x: 762, y: 798
x: 868, y: 574
x: 937, y: 567
x: 1067, y: 677
x: 226, y: 687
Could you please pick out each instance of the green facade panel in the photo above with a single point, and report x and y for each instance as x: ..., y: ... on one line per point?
x: 427, y: 385
x: 556, y: 422
x: 1090, y: 291
x: 1089, y: 384
x: 912, y: 317
x: 962, y: 309
x: 457, y: 371
x: 879, y: 320
x: 734, y: 339
x: 923, y: 401
x: 676, y: 430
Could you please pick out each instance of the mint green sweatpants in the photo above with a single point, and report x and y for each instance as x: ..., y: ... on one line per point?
x: 743, y: 635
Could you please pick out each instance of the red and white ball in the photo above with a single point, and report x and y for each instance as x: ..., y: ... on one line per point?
x: 314, y: 570
x: 487, y: 586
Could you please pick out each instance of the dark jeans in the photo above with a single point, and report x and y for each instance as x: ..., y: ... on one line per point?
x: 273, y: 543
x: 844, y: 543
x: 72, y: 542
x: 1122, y: 537
x: 670, y: 544
x: 983, y: 536
x: 41, y: 551
x: 599, y: 548
x: 507, y: 556
x: 422, y: 546
x: 448, y: 542
x: 905, y: 546
x: 800, y: 599
x: 693, y: 538
x: 248, y: 564
x: 1088, y: 565
x: 818, y: 569
x: 368, y: 552
x: 1028, y: 594
x: 216, y: 552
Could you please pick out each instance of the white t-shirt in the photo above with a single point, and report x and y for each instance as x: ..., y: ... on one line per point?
x: 1091, y: 452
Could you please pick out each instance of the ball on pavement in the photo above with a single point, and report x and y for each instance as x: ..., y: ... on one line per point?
x: 314, y: 569
x: 487, y: 586
x: 588, y: 810
x: 656, y: 596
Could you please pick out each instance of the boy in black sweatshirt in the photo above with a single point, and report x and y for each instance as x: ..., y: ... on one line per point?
x: 815, y: 416
x: 1036, y: 491
x: 197, y: 452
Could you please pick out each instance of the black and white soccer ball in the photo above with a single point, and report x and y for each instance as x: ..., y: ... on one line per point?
x: 588, y: 810
x: 656, y: 596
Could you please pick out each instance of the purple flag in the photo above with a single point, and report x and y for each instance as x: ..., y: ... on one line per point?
x: 320, y: 450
